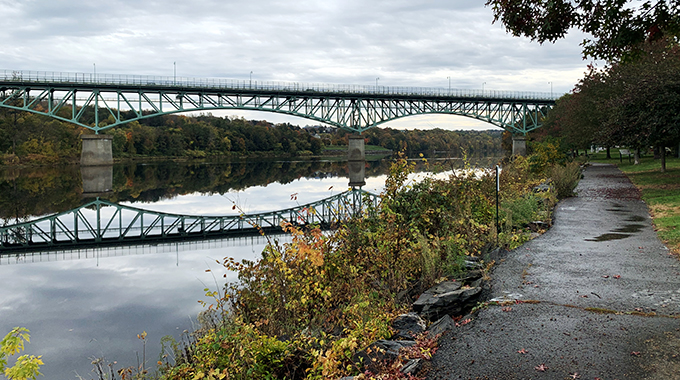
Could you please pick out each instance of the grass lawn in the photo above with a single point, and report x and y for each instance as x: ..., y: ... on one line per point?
x: 661, y: 192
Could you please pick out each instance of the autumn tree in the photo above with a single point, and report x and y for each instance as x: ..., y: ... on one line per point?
x: 617, y: 27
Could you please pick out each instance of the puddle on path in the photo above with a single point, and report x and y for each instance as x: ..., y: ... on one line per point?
x: 609, y: 236
x: 630, y: 228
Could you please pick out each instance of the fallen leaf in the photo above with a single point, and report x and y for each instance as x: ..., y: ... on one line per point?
x: 635, y: 353
x: 617, y: 276
x: 522, y: 351
x: 464, y: 322
x: 584, y: 296
x: 575, y: 375
x: 638, y: 309
x: 541, y: 368
x: 506, y: 309
x: 605, y: 276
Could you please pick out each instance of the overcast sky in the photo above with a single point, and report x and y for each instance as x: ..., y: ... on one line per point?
x: 404, y: 43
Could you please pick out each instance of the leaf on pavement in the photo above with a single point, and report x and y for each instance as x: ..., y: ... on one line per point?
x: 541, y: 368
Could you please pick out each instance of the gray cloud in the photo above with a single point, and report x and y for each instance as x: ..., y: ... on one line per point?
x: 404, y: 43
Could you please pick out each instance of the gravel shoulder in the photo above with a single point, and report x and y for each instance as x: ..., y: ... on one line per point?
x: 597, y: 296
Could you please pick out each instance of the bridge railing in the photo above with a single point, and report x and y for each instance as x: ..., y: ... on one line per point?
x: 173, y: 82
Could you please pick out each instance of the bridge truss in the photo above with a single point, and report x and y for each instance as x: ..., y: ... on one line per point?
x: 104, y: 223
x: 116, y: 99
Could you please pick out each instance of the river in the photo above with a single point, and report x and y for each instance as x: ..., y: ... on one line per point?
x: 80, y: 305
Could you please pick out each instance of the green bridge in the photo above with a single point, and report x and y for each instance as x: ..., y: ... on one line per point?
x: 120, y: 99
x: 100, y: 223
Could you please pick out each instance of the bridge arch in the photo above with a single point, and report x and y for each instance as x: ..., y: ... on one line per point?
x: 353, y: 108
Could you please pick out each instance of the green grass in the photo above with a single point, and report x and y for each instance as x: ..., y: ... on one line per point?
x: 661, y: 192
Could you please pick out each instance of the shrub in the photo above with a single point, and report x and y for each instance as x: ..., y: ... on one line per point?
x: 565, y: 178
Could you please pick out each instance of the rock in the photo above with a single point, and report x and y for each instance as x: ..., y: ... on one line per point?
x: 543, y: 187
x: 441, y: 300
x: 443, y: 324
x: 407, y: 326
x: 378, y: 353
x: 411, y: 367
x: 471, y: 275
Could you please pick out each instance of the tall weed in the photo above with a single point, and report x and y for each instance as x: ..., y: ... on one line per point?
x: 565, y: 178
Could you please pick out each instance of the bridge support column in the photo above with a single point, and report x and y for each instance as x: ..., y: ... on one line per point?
x: 356, y: 161
x: 519, y: 145
x: 356, y: 151
x: 96, y: 150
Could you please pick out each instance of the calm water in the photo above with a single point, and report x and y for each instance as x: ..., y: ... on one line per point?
x: 92, y: 303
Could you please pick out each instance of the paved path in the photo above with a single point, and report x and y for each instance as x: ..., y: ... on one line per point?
x: 572, y: 275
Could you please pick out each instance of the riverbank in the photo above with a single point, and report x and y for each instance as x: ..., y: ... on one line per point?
x: 594, y: 297
x: 306, y: 309
x: 335, y: 153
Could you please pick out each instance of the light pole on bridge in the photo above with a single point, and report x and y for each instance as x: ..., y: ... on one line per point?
x: 483, y: 87
x: 551, y: 89
x: 449, y: 78
x: 174, y: 72
x: 251, y: 80
x: 376, y: 84
x: 95, y: 71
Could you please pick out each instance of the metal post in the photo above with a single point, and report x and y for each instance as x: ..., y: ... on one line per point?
x: 376, y: 84
x: 174, y: 71
x: 449, y: 78
x: 551, y: 89
x: 251, y: 80
x: 498, y: 189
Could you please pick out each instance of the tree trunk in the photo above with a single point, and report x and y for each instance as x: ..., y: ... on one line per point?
x: 657, y: 153
x: 636, y: 156
x: 609, y: 153
x: 662, y: 153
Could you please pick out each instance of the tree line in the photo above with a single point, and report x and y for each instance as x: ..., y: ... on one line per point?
x: 29, y: 137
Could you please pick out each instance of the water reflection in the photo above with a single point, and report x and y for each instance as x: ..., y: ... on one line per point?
x: 30, y: 192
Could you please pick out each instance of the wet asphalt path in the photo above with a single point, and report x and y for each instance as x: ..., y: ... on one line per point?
x: 600, y: 257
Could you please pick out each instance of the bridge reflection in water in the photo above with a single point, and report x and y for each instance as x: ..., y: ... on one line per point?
x: 172, y: 246
x: 100, y: 223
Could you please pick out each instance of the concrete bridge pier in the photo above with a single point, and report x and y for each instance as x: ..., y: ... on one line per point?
x: 356, y: 151
x: 519, y: 145
x: 96, y: 165
x: 356, y: 161
x: 96, y: 150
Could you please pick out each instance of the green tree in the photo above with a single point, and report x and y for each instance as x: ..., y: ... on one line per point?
x: 646, y: 106
x: 617, y: 27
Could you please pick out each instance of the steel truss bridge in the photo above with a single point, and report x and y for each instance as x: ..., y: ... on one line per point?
x: 67, y: 96
x: 104, y: 223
